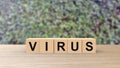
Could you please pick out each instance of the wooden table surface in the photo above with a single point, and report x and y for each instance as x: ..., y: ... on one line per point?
x: 14, y: 56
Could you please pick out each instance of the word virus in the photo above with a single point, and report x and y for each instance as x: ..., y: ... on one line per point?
x: 60, y: 45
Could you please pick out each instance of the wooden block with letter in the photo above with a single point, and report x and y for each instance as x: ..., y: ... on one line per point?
x: 60, y: 45
x: 74, y: 45
x: 32, y: 45
x: 88, y: 45
x: 46, y: 45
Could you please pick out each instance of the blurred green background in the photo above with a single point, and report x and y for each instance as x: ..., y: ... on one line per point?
x: 21, y: 19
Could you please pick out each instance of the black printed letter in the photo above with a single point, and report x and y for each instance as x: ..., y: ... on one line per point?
x: 74, y: 49
x: 32, y: 47
x: 61, y: 45
x: 89, y: 44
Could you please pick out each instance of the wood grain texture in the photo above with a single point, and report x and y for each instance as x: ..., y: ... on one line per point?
x: 14, y: 56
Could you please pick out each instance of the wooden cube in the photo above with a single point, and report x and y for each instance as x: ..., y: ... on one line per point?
x: 32, y: 45
x: 89, y: 45
x: 46, y: 45
x: 60, y: 45
x: 74, y: 45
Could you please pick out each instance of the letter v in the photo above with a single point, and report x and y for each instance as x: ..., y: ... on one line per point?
x: 32, y: 47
